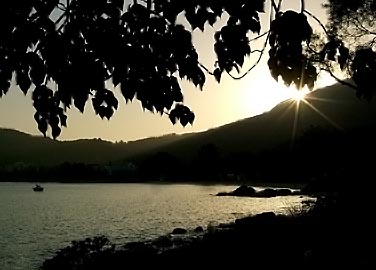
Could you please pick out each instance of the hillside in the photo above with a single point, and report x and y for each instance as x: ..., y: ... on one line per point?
x: 337, y: 106
x: 18, y: 147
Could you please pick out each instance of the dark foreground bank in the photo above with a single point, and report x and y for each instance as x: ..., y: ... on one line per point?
x: 326, y: 235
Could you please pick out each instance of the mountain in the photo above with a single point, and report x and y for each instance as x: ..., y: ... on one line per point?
x: 19, y: 147
x: 333, y: 108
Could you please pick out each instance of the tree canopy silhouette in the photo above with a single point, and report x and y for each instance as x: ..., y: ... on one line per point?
x: 353, y: 22
x: 68, y: 52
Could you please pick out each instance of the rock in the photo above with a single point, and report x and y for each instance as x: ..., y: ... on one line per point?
x: 162, y: 242
x: 244, y: 190
x: 226, y: 225
x: 265, y: 215
x: 198, y: 229
x: 284, y: 192
x: 296, y: 192
x: 267, y: 193
x: 179, y: 231
x: 251, y: 220
x: 248, y: 191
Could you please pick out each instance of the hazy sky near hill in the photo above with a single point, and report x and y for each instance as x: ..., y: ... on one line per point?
x: 216, y: 105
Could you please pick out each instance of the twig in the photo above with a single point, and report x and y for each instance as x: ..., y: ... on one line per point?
x: 206, y: 69
x: 318, y: 21
x: 276, y: 9
x: 339, y: 80
x: 302, y: 4
x: 279, y: 4
x: 259, y: 36
x: 261, y: 53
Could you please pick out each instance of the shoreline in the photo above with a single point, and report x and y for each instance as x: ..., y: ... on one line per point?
x: 164, y: 210
x: 304, y: 239
x: 199, y: 183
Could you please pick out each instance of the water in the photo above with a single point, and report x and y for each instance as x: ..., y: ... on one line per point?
x: 33, y: 225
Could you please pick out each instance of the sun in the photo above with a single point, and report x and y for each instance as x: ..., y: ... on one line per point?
x: 260, y: 93
x: 298, y: 95
x: 324, y: 79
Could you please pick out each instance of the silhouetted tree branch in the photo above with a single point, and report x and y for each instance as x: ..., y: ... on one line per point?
x: 343, y: 82
x: 318, y: 21
x: 146, y: 51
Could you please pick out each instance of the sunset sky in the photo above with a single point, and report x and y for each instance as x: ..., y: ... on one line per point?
x: 216, y: 105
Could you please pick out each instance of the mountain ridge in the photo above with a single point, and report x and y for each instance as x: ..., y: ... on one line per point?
x: 337, y: 108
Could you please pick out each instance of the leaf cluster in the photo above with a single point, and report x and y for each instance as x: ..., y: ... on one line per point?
x: 287, y: 59
x: 91, y: 43
x: 353, y: 22
x: 231, y: 41
x: 95, y: 43
x: 86, y: 48
x: 364, y: 71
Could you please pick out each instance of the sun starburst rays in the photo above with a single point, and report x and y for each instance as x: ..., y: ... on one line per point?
x: 296, y: 101
x: 322, y: 114
x: 295, y: 124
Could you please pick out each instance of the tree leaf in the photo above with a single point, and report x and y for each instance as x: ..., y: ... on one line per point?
x: 79, y: 102
x: 23, y: 81
x: 56, y: 130
x: 217, y: 74
x: 343, y: 56
x: 42, y: 126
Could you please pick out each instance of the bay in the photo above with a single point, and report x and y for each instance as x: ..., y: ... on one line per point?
x: 34, y: 225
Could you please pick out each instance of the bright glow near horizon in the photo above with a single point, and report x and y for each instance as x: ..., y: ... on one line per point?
x: 270, y: 92
x: 300, y: 94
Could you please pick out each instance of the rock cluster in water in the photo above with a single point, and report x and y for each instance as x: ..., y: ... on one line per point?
x: 248, y: 191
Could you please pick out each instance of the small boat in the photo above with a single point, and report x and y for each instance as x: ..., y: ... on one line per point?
x: 38, y: 188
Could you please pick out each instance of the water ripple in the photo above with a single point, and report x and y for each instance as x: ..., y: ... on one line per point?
x: 34, y: 225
